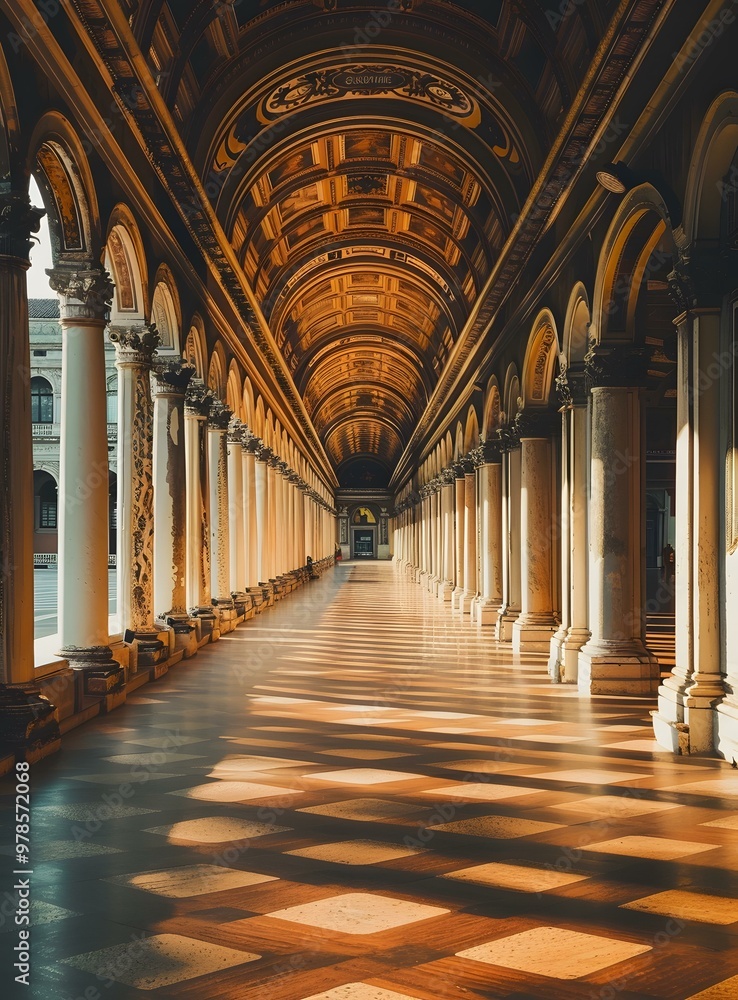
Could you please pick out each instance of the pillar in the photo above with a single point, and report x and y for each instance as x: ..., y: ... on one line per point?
x: 687, y: 719
x: 250, y: 444
x: 616, y: 660
x: 262, y: 510
x: 446, y: 586
x: 487, y: 606
x: 170, y: 503
x: 470, y: 540
x: 573, y: 631
x: 135, y: 347
x: 236, y: 510
x: 219, y: 418
x: 198, y: 401
x: 84, y: 298
x: 511, y: 541
x: 460, y: 508
x: 28, y: 726
x: 535, y: 625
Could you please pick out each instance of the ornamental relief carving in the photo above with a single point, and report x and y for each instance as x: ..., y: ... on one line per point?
x: 142, y: 505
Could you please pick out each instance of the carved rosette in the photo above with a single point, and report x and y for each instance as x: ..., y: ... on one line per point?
x: 172, y: 377
x: 19, y: 220
x: 135, y: 346
x: 86, y: 292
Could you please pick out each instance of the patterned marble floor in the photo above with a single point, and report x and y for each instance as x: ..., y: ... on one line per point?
x: 358, y: 797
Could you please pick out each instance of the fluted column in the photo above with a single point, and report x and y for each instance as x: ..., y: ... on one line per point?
x: 460, y: 505
x: 616, y: 660
x: 85, y: 297
x: 219, y: 418
x: 488, y: 604
x: 535, y: 625
x: 236, y: 510
x: 170, y: 498
x: 28, y: 727
x: 573, y: 632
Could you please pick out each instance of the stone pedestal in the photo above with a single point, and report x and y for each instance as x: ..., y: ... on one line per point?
x: 29, y: 728
x: 616, y: 660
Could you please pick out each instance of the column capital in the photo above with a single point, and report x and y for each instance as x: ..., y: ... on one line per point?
x: 263, y: 454
x: 235, y: 431
x: 172, y: 376
x: 702, y: 274
x: 535, y: 423
x: 615, y: 365
x: 250, y: 442
x: 85, y: 291
x: 489, y: 452
x: 464, y: 466
x: 135, y: 345
x: 571, y: 384
x: 509, y: 438
x: 19, y: 220
x: 198, y: 398
x: 447, y: 476
x: 219, y: 415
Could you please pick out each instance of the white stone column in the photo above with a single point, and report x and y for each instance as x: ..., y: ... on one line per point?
x: 219, y: 418
x: 511, y: 541
x: 27, y: 721
x: 85, y: 297
x: 573, y: 631
x: 262, y: 513
x: 615, y: 660
x: 170, y: 492
x: 487, y: 606
x: 460, y: 507
x: 446, y: 586
x: 236, y: 510
x: 535, y: 625
x: 470, y: 542
x: 250, y: 445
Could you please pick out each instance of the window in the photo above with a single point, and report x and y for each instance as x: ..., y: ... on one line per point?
x: 47, y: 505
x: 113, y: 400
x: 42, y: 401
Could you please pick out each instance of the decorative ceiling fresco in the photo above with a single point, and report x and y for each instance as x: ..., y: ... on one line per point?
x: 367, y: 162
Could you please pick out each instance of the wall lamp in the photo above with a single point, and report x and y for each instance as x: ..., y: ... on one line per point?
x: 618, y: 178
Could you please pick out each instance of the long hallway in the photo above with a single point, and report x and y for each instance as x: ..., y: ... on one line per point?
x: 355, y: 796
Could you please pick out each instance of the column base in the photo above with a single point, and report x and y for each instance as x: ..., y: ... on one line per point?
x: 456, y: 598
x: 29, y: 728
x: 99, y: 679
x: 485, y: 612
x: 209, y: 622
x: 257, y: 599
x: 445, y: 590
x: 227, y: 613
x: 563, y: 662
x: 622, y: 668
x: 432, y: 585
x: 532, y: 632
x: 466, y: 601
x: 149, y: 651
x: 182, y: 632
x: 506, y: 618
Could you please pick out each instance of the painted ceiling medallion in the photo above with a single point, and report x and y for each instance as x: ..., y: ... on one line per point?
x: 363, y: 80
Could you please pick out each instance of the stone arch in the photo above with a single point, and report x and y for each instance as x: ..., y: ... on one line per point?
x: 57, y: 160
x: 234, y: 395
x: 217, y: 370
x: 248, y: 403
x: 259, y: 427
x: 125, y: 258
x: 471, y: 430
x: 269, y: 430
x: 512, y: 394
x: 576, y: 326
x: 540, y: 360
x: 492, y: 409
x: 195, y: 351
x: 166, y: 312
x: 712, y: 162
x: 639, y: 242
x: 458, y: 442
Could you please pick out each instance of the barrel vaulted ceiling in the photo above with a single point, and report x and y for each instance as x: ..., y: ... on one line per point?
x: 367, y: 162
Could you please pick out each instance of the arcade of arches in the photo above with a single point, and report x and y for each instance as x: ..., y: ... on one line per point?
x: 451, y: 285
x: 441, y: 261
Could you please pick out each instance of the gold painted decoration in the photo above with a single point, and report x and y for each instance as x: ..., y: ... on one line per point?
x: 364, y: 80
